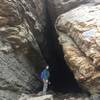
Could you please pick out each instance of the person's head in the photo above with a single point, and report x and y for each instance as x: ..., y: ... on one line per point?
x: 47, y: 67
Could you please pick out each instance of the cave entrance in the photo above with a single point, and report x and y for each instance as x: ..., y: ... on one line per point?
x: 61, y: 77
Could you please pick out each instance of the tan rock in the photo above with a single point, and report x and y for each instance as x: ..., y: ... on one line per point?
x: 78, y: 34
x: 82, y: 25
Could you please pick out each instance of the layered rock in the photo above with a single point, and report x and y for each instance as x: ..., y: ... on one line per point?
x: 20, y: 29
x: 79, y: 36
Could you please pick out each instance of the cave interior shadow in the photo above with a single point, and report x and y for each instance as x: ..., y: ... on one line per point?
x: 62, y: 78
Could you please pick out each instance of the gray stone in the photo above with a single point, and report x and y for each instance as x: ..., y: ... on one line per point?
x: 20, y: 35
x: 95, y: 97
x: 8, y: 95
x: 44, y: 97
x: 57, y: 7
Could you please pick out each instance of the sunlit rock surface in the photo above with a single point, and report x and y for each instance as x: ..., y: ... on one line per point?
x: 57, y: 7
x: 79, y: 35
x: 19, y: 50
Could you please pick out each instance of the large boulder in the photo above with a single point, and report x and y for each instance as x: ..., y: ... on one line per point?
x: 21, y: 28
x: 79, y: 35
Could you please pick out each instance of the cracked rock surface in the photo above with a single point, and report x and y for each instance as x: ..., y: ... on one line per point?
x: 19, y: 22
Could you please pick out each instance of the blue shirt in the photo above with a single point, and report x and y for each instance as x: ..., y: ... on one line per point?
x: 45, y: 74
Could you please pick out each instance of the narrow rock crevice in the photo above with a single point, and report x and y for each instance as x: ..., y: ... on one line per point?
x: 61, y: 77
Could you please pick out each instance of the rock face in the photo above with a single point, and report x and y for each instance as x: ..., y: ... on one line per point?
x: 20, y: 30
x: 28, y: 97
x: 57, y: 7
x: 79, y: 36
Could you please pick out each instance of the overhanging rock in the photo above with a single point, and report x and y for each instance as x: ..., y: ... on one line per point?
x: 79, y: 35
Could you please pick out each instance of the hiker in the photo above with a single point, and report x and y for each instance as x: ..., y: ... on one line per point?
x: 45, y: 78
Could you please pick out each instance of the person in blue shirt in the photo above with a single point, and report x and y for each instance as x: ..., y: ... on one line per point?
x: 45, y: 78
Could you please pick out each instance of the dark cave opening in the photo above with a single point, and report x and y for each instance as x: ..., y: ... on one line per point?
x: 61, y: 77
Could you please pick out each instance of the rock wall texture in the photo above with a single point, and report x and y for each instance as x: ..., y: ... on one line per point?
x: 57, y: 7
x: 79, y: 35
x: 21, y: 25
